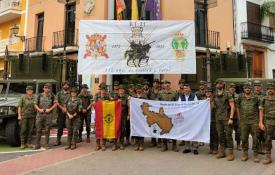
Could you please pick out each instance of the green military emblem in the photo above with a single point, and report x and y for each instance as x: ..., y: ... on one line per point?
x: 108, y: 118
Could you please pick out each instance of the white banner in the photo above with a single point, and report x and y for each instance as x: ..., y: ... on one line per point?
x: 188, y: 121
x: 136, y: 47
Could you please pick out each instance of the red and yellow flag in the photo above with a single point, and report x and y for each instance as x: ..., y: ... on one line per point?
x: 120, y: 7
x: 108, y: 119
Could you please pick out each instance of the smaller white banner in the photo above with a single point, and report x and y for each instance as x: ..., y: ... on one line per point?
x: 189, y: 121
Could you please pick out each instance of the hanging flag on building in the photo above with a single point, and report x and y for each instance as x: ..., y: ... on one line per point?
x: 120, y: 7
x: 108, y: 119
x: 134, y: 10
x: 153, y: 6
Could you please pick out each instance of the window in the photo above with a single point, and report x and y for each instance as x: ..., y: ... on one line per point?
x: 39, y: 34
x: 70, y: 24
x: 200, y: 23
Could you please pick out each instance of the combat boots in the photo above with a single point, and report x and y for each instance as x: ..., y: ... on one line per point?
x: 98, y: 147
x: 121, y: 144
x: 175, y: 148
x: 256, y: 157
x: 73, y: 143
x: 69, y: 146
x: 141, y: 147
x: 230, y: 155
x: 38, y: 139
x: 244, y: 156
x: 23, y: 145
x: 221, y: 153
x: 58, y: 141
x: 88, y: 139
x: 267, y: 160
x: 114, y: 146
x: 239, y: 148
x: 164, y: 147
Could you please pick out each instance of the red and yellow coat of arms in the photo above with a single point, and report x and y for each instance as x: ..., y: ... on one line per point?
x: 96, y: 46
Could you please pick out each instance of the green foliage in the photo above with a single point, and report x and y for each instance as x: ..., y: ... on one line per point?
x: 268, y: 8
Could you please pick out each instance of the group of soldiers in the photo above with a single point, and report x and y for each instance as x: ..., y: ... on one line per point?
x: 249, y: 113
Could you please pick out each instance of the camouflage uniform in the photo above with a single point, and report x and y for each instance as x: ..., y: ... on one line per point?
x: 248, y: 106
x: 73, y: 106
x: 268, y: 107
x: 44, y: 119
x: 169, y: 95
x: 221, y: 103
x: 61, y: 97
x: 86, y: 99
x: 27, y: 121
x: 201, y: 92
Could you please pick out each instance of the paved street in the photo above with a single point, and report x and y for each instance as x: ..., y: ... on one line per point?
x: 85, y: 161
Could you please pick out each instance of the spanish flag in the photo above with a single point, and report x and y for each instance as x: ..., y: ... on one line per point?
x: 108, y: 119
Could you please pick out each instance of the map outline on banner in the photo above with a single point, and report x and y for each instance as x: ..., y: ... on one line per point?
x: 136, y: 47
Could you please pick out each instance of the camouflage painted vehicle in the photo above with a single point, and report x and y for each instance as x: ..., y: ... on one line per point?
x: 10, y: 92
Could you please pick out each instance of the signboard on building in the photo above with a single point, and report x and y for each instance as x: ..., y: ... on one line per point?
x: 136, y: 47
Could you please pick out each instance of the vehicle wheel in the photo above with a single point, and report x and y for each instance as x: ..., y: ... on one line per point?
x: 12, y: 133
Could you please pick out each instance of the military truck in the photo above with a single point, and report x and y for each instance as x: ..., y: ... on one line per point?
x: 10, y: 92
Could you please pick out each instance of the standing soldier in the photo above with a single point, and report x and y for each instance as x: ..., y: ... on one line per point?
x: 85, y: 114
x: 61, y: 97
x: 187, y: 95
x: 101, y: 96
x: 224, y: 121
x: 267, y: 120
x: 73, y: 106
x: 139, y: 140
x: 236, y: 126
x: 146, y: 89
x: 153, y: 95
x: 44, y: 104
x: 124, y: 98
x: 261, y: 135
x: 26, y: 116
x: 214, y: 141
x: 247, y: 110
x: 115, y: 91
x: 168, y: 95
x: 131, y: 90
x: 201, y: 92
x: 179, y: 92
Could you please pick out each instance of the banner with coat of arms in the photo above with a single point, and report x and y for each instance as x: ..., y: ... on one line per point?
x: 189, y: 121
x: 136, y: 47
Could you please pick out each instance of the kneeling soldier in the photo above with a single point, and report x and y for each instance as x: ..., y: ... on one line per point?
x: 247, y: 110
x: 73, y: 107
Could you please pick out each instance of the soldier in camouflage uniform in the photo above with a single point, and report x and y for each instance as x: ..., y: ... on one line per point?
x: 114, y: 93
x: 168, y: 95
x: 146, y: 89
x: 201, y: 92
x: 267, y: 120
x: 257, y: 90
x: 131, y: 90
x: 124, y: 98
x: 85, y: 114
x: 247, y: 109
x: 44, y: 104
x: 139, y: 140
x: 61, y: 97
x: 214, y: 139
x: 224, y: 122
x: 26, y: 116
x: 153, y: 95
x: 236, y: 126
x: 101, y: 96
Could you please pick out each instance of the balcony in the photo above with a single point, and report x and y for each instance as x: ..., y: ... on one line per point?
x: 35, y: 44
x: 9, y: 10
x: 257, y: 32
x: 58, y: 39
x: 8, y: 42
x: 210, y: 39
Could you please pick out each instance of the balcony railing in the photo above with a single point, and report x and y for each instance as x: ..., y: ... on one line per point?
x: 208, y: 38
x: 9, y: 4
x: 58, y: 38
x: 7, y: 42
x: 35, y: 44
x: 257, y: 32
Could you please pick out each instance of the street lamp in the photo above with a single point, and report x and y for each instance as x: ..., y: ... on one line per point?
x: 64, y: 60
x: 15, y: 30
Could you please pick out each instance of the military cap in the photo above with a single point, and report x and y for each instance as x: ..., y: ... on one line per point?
x: 73, y: 89
x: 65, y: 82
x: 146, y: 83
x: 29, y: 88
x: 156, y: 81
x: 209, y: 89
x: 139, y: 86
x: 121, y: 86
x: 246, y: 85
x: 257, y: 83
x: 131, y: 86
x: 203, y: 82
x: 116, y: 83
x: 181, y: 81
x: 84, y: 86
x: 102, y: 84
x: 48, y: 85
x: 162, y: 81
x: 167, y: 82
x: 271, y: 86
x: 219, y: 81
x: 232, y: 85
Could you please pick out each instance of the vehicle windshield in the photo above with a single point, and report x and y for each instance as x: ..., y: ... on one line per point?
x: 15, y: 88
